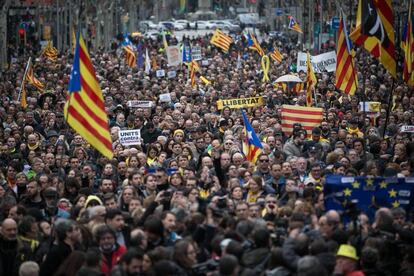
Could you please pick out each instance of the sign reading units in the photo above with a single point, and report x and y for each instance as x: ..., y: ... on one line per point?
x: 240, y: 102
x: 130, y: 137
x: 406, y: 128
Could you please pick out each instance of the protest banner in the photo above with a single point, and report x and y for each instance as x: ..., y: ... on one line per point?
x: 240, y: 103
x: 320, y: 63
x: 139, y: 104
x: 173, y: 55
x: 130, y: 137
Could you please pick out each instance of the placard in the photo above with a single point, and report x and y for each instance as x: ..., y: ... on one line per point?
x: 204, y: 62
x: 172, y: 74
x: 320, y: 63
x: 130, y: 137
x: 140, y: 104
x: 160, y: 73
x: 196, y: 52
x: 166, y: 98
x: 173, y: 55
x: 409, y: 129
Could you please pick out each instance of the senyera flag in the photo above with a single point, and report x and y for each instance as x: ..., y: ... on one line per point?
x: 308, y: 117
x: 252, y: 147
x: 85, y: 108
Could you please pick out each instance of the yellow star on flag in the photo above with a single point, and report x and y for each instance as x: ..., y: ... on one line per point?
x: 392, y: 193
x: 356, y: 185
x: 370, y: 181
x: 383, y: 185
x: 347, y: 192
x: 395, y: 204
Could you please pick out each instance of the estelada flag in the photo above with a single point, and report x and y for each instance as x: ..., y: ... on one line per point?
x: 85, y: 107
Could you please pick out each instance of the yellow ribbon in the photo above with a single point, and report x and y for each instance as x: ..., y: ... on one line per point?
x: 265, y: 68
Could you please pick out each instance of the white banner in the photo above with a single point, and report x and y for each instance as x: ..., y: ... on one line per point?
x: 196, y: 53
x: 130, y: 137
x: 173, y: 55
x: 139, y: 104
x: 320, y: 63
x: 160, y: 73
x: 166, y: 98
x: 407, y: 129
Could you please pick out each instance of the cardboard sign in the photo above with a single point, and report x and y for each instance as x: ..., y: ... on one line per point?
x: 320, y: 63
x: 140, y: 104
x: 173, y: 55
x: 196, y: 52
x: 240, y: 103
x: 130, y: 137
x: 166, y: 98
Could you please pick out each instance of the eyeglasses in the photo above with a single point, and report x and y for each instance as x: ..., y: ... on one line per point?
x: 271, y: 202
x: 264, y: 160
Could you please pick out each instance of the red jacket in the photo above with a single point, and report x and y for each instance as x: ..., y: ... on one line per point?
x: 356, y: 273
x: 106, y: 268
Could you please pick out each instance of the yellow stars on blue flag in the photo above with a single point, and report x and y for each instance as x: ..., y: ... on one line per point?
x: 396, y: 204
x: 356, y: 185
x: 347, y: 192
x: 370, y: 182
x: 392, y: 193
x: 383, y: 184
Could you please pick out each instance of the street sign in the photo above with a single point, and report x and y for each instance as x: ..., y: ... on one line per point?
x: 335, y: 23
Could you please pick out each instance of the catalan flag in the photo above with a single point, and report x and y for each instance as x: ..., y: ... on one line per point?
x: 293, y: 25
x: 276, y: 55
x: 408, y: 48
x: 130, y: 56
x: 50, y: 52
x: 375, y: 32
x: 310, y: 81
x: 32, y: 79
x: 252, y: 147
x: 293, y: 87
x: 85, y: 107
x: 221, y: 40
x: 254, y: 44
x: 346, y: 77
x: 308, y: 117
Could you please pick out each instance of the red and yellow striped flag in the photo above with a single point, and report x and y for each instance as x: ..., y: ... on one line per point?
x: 23, y: 99
x: 310, y: 81
x: 32, y: 79
x: 50, y: 52
x: 221, y: 40
x: 85, y: 107
x: 276, y: 55
x: 308, y: 117
x: 346, y: 77
x: 375, y: 32
x: 130, y: 57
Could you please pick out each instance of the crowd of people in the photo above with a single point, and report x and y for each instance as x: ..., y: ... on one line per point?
x: 186, y: 201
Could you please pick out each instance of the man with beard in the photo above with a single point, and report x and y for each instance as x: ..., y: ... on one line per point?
x: 295, y: 145
x: 33, y: 198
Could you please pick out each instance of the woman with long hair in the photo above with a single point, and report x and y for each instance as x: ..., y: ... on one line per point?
x: 185, y: 256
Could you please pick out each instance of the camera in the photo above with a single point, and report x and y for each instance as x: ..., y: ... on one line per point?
x: 222, y: 203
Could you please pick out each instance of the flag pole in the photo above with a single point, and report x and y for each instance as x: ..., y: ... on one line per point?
x: 388, y: 108
x: 24, y: 78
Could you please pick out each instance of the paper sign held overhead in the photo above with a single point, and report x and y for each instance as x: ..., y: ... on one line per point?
x: 130, y: 137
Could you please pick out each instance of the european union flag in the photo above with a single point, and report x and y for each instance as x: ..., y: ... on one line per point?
x: 75, y: 77
x: 369, y: 194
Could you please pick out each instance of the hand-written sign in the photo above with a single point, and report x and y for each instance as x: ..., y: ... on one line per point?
x: 240, y: 102
x: 130, y: 137
x: 320, y: 63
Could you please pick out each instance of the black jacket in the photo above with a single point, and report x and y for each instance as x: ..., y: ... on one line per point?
x: 57, y: 254
x: 9, y: 264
